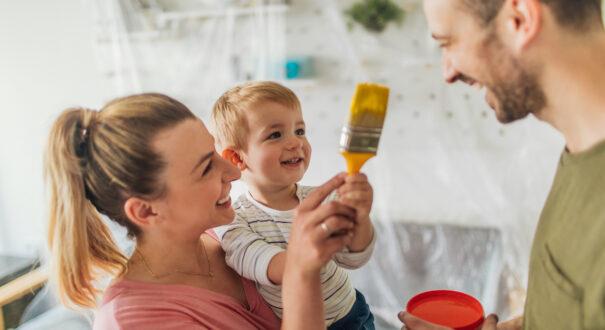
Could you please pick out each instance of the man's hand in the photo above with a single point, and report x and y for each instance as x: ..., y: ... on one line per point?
x: 514, y: 324
x: 413, y: 323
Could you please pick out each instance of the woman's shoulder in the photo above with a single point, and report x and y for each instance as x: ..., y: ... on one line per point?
x: 131, y: 304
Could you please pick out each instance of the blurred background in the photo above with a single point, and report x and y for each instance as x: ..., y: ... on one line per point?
x: 457, y: 195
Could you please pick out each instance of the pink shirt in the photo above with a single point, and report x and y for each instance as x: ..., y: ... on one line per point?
x: 138, y: 305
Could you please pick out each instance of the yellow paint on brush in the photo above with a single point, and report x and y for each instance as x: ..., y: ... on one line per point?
x: 369, y: 105
x: 368, y: 110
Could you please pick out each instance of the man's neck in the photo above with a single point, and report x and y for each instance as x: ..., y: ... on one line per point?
x: 574, y: 84
x: 281, y: 198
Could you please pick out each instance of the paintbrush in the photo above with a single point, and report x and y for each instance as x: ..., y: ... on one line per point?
x: 360, y: 136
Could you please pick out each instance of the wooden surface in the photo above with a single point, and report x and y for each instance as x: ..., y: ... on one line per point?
x: 19, y: 287
x: 22, y: 286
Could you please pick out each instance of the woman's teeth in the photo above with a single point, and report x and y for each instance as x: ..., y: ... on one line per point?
x: 223, y: 201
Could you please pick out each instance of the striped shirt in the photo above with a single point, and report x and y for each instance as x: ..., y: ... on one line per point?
x: 258, y: 233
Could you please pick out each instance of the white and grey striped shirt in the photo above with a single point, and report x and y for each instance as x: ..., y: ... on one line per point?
x: 258, y: 233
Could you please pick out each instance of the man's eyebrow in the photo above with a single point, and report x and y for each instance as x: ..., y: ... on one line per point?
x: 202, y: 160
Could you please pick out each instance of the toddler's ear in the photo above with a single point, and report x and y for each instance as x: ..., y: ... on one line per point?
x: 233, y: 157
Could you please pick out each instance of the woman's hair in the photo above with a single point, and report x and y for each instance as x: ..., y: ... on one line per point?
x: 94, y: 162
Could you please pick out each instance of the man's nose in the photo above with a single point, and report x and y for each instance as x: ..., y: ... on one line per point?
x: 450, y: 74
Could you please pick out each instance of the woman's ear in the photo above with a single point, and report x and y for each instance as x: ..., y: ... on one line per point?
x: 140, y: 212
x: 234, y: 158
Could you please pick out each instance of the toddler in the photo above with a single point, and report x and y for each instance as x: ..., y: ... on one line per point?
x: 260, y: 128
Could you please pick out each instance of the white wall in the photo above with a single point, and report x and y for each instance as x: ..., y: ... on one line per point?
x: 47, y: 63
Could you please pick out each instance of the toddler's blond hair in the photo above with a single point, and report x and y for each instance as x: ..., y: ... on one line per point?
x: 229, y: 111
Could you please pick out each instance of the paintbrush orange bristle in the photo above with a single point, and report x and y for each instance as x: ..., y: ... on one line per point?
x: 369, y: 105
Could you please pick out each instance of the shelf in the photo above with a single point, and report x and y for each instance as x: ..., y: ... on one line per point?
x: 165, y: 17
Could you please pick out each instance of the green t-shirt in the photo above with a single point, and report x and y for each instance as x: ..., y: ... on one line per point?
x: 566, y: 288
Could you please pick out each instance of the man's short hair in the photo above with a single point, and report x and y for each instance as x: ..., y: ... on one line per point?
x: 576, y: 14
x: 229, y: 111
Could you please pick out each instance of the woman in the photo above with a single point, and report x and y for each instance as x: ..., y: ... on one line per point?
x: 146, y: 162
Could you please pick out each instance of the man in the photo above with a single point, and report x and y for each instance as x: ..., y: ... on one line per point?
x: 546, y: 58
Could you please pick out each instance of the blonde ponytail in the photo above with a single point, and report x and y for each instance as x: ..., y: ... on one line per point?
x: 77, y: 236
x: 94, y: 161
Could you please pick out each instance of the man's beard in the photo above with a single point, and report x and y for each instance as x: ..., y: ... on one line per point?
x: 516, y: 89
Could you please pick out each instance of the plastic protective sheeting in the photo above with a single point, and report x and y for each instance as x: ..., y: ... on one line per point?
x: 187, y: 49
x: 457, y: 195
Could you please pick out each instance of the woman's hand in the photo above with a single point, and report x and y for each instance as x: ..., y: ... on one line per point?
x: 318, y: 232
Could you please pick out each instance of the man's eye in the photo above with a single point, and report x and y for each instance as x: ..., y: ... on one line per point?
x: 300, y: 131
x: 207, y: 169
x: 274, y: 135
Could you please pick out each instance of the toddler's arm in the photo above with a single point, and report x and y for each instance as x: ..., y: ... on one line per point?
x: 249, y: 254
x: 353, y: 260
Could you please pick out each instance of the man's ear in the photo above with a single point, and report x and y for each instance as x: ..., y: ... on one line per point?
x: 234, y: 158
x: 524, y: 22
x: 140, y: 212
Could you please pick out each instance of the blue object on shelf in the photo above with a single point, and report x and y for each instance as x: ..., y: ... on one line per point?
x: 299, y: 67
x: 292, y: 70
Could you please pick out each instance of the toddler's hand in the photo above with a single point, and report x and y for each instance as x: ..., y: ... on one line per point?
x: 357, y: 193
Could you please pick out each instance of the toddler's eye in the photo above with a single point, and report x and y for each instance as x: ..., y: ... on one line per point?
x: 300, y: 131
x: 274, y: 135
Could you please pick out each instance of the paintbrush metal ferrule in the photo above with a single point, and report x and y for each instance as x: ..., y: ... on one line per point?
x: 360, y: 139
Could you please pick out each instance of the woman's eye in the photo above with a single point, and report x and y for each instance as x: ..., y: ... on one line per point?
x: 300, y: 131
x: 274, y: 135
x: 207, y: 169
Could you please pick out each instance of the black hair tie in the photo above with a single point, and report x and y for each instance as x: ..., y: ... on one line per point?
x: 82, y: 147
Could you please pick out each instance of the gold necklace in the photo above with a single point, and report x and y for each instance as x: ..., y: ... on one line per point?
x: 197, y: 258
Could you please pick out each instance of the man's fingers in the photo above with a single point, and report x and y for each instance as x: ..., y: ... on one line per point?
x: 490, y: 322
x: 413, y: 323
x: 320, y: 193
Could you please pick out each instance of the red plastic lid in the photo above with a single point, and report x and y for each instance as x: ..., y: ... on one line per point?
x: 448, y: 308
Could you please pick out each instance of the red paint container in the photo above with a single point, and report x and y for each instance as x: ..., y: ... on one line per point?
x: 452, y: 309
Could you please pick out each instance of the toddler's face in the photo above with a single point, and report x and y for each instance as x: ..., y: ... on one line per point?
x: 277, y: 152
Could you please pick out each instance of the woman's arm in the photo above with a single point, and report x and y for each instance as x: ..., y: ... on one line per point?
x: 312, y: 244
